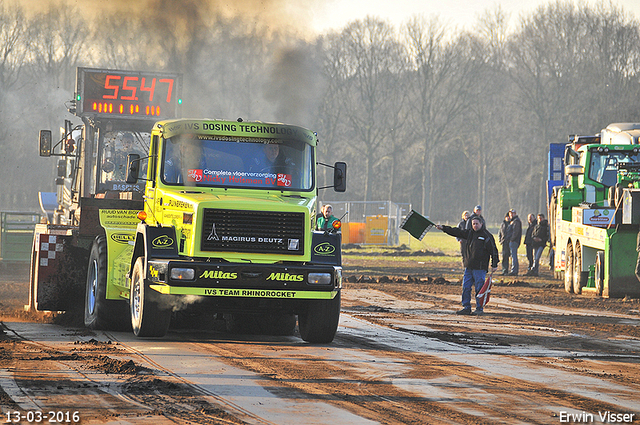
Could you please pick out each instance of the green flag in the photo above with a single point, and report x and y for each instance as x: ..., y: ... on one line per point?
x: 416, y: 225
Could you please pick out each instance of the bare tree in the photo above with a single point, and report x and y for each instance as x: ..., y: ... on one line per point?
x: 57, y: 38
x: 12, y: 45
x: 443, y: 76
x: 373, y: 64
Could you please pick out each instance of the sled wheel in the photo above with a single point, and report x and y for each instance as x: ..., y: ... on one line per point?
x: 568, y: 269
x: 318, y: 323
x: 599, y: 273
x: 99, y: 312
x: 150, y: 315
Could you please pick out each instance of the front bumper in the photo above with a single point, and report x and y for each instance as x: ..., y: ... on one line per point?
x: 257, y: 281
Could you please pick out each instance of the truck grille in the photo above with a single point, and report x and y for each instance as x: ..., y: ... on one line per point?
x: 253, y: 231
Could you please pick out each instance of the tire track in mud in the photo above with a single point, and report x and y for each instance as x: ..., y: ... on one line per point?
x: 508, y: 386
x: 93, y: 378
x: 316, y: 378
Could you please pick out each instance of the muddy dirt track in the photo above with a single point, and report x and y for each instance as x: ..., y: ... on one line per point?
x: 539, y: 356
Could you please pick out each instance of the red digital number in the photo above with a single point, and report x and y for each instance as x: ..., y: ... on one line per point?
x: 170, y: 82
x: 132, y: 89
x: 109, y: 86
x: 151, y: 89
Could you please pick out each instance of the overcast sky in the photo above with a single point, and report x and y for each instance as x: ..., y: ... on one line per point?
x: 334, y: 14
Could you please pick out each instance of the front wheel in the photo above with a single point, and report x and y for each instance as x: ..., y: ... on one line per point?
x: 318, y: 323
x: 150, y: 316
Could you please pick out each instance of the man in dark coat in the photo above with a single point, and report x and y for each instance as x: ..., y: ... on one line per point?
x: 515, y: 227
x: 504, y: 237
x: 528, y: 240
x: 540, y: 237
x: 479, y: 248
x: 477, y: 212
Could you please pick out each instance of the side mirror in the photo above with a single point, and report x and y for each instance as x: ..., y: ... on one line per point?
x: 340, y: 177
x: 45, y: 142
x: 574, y: 170
x: 133, y: 168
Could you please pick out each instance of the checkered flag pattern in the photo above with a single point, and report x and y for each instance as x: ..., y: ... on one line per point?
x: 49, y: 247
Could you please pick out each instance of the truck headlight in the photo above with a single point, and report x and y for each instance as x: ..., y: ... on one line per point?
x: 179, y: 273
x: 319, y: 278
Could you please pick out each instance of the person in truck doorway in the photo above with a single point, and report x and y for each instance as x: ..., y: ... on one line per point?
x: 479, y: 248
x: 326, y: 219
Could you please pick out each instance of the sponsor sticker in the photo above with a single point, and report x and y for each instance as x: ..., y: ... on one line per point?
x: 324, y: 248
x: 162, y: 242
x: 123, y: 238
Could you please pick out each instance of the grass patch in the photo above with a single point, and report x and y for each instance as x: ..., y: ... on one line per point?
x: 434, y: 241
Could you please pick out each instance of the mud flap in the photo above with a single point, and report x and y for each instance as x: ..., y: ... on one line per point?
x: 326, y: 248
x: 57, y: 273
x: 154, y: 243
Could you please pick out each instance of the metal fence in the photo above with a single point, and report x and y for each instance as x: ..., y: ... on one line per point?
x: 16, y: 235
x: 371, y: 222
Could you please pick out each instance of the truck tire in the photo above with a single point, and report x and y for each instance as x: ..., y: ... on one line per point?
x: 150, y: 315
x: 99, y: 312
x: 579, y: 277
x: 568, y: 269
x: 599, y: 273
x: 318, y: 323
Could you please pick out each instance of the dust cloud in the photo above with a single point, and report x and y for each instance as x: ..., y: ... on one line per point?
x: 289, y: 15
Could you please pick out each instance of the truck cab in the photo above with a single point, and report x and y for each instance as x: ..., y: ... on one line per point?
x: 229, y: 216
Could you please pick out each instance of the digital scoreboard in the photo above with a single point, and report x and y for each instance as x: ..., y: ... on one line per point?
x: 128, y: 94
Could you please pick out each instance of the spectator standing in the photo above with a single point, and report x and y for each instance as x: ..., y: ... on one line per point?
x: 462, y: 225
x: 515, y: 226
x: 528, y: 240
x: 540, y: 237
x: 477, y: 212
x: 479, y: 248
x: 504, y: 237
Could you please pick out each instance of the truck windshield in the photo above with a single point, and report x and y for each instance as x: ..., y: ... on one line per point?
x: 212, y: 161
x: 604, y: 165
x: 115, y: 147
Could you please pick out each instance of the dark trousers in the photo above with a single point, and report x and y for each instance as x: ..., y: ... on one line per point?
x: 506, y: 253
x: 530, y: 252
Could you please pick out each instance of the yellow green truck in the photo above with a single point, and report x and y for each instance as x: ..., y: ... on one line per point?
x: 208, y: 214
